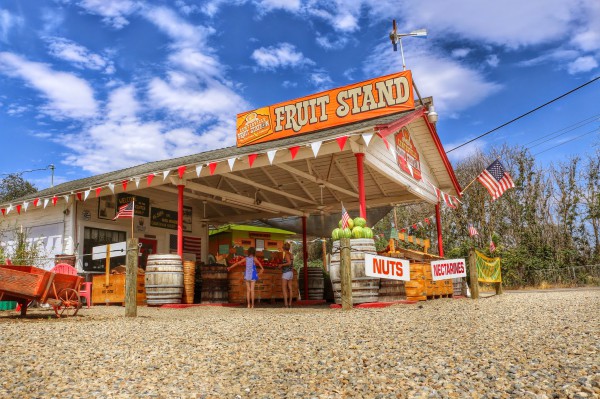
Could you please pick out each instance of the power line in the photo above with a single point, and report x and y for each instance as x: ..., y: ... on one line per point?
x: 523, y: 115
x: 568, y: 141
x: 567, y: 129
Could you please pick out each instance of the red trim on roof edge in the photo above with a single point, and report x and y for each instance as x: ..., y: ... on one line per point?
x: 386, y: 130
x: 445, y: 159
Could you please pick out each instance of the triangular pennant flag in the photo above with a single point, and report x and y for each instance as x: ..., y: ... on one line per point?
x: 271, y: 156
x: 3, y: 211
x: 198, y: 170
x: 79, y: 196
x: 86, y: 193
x: 181, y: 171
x: 137, y: 182
x: 149, y: 179
x: 124, y: 183
x: 294, y: 151
x: 25, y: 205
x: 231, y: 161
x: 35, y: 202
x: 19, y: 209
x: 315, y: 147
x: 427, y: 221
x: 66, y: 197
x: 111, y: 186
x: 367, y: 138
x: 9, y: 209
x: 387, y: 144
x: 212, y: 166
x: 165, y: 174
x: 98, y: 189
x: 342, y: 142
x: 251, y: 159
x: 54, y: 200
x: 46, y: 200
x: 448, y: 200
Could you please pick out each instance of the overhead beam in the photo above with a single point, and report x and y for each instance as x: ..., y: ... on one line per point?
x: 242, y: 200
x: 316, y: 180
x: 267, y: 188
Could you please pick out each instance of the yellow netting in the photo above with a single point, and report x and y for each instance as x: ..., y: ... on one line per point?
x: 488, y: 269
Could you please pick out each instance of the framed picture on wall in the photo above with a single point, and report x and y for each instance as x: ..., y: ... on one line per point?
x: 107, y: 207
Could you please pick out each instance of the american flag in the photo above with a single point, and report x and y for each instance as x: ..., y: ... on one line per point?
x: 472, y: 230
x: 496, y: 179
x: 492, y: 245
x: 345, y: 217
x: 125, y: 211
x: 192, y: 245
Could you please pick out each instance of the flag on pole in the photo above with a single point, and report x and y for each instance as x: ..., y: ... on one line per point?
x: 472, y: 230
x: 125, y: 211
x: 492, y: 245
x: 496, y: 179
x: 345, y: 217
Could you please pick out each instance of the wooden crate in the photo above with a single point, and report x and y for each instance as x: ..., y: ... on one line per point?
x: 114, y: 293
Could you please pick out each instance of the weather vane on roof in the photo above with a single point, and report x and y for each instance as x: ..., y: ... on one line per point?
x: 396, y: 37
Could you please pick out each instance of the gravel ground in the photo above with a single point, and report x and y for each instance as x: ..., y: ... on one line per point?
x: 526, y: 345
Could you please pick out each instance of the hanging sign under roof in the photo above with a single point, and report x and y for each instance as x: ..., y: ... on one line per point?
x: 359, y: 101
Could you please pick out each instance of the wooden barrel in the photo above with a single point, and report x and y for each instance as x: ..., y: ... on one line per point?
x: 164, y: 279
x: 189, y: 280
x: 214, y: 284
x: 364, y: 289
x: 316, y: 283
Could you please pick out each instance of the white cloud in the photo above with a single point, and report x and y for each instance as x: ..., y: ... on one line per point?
x: 115, y: 12
x: 453, y: 86
x: 588, y: 40
x: 321, y: 80
x: 492, y: 60
x: 7, y: 23
x: 78, y: 55
x: 327, y: 43
x: 281, y: 56
x: 466, y: 151
x: 460, y: 52
x: 582, y: 64
x: 66, y: 94
x: 289, y: 5
x: 180, y: 31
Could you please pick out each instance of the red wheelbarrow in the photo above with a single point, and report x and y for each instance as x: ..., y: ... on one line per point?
x: 28, y: 283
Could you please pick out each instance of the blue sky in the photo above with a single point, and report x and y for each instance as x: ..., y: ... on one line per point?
x: 98, y: 85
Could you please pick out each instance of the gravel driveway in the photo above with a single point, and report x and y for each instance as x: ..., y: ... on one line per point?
x: 531, y: 345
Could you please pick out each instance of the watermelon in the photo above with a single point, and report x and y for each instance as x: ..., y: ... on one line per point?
x: 347, y: 233
x: 340, y: 224
x: 335, y: 234
x: 360, y: 222
x: 367, y: 232
x: 350, y: 223
x: 357, y: 232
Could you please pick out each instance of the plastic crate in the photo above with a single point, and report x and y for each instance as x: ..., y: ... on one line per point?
x: 8, y: 305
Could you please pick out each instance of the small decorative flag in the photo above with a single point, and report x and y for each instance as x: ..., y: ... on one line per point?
x: 427, y: 221
x: 149, y: 179
x: 35, y: 202
x: 315, y: 147
x: 251, y: 159
x: 3, y: 211
x: 46, y: 200
x: 341, y: 142
x: 137, y: 182
x: 25, y: 205
x: 54, y: 199
x: 19, y: 209
x: 496, y: 179
x: 86, y: 193
x: 294, y: 151
x: 165, y: 174
x: 345, y: 217
x: 98, y: 190
x: 78, y: 195
x: 181, y: 171
x: 198, y: 170
x: 66, y: 197
x: 111, y: 186
x: 124, y: 183
x: 367, y: 138
x: 125, y: 211
x: 492, y: 245
x: 231, y: 162
x: 472, y: 230
x: 212, y: 166
x: 271, y: 156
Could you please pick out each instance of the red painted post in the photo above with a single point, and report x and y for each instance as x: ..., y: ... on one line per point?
x: 438, y: 222
x: 361, y: 184
x: 305, y: 257
x: 180, y: 220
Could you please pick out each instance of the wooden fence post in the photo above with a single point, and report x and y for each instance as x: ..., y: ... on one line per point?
x: 131, y: 271
x: 473, y: 275
x: 346, y: 273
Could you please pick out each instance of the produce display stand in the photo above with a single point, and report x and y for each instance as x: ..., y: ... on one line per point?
x: 24, y: 284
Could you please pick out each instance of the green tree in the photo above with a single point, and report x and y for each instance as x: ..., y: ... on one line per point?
x: 13, y: 186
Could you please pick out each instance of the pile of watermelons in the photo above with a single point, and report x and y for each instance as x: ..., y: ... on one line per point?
x: 357, y: 228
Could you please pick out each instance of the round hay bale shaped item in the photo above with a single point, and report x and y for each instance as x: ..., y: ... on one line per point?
x: 164, y: 279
